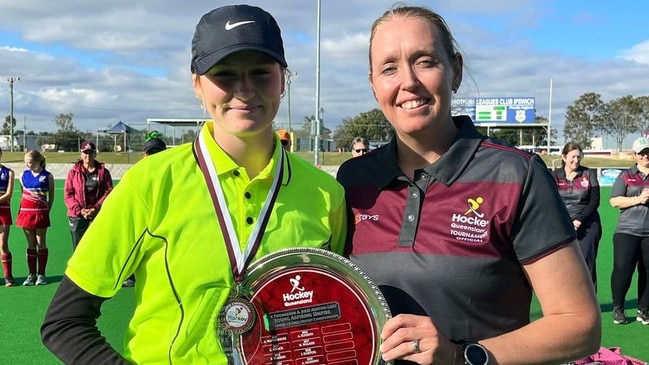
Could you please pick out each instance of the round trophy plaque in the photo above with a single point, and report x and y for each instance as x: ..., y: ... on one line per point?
x: 312, y: 307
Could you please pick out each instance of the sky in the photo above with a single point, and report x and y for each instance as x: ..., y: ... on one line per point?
x: 125, y: 60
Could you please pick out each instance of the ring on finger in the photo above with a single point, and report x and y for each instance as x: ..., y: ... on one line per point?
x: 415, y: 346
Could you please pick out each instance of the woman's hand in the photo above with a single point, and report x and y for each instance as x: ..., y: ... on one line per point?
x: 644, y: 196
x: 576, y: 224
x: 415, y: 338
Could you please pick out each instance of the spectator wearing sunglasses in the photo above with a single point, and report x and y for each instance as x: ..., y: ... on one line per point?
x: 360, y: 146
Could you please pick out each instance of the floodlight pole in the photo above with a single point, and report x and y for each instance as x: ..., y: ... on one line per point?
x: 288, y: 95
x: 316, y: 139
x: 11, y: 81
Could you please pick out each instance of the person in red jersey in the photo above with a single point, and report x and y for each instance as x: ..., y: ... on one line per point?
x: 34, y: 214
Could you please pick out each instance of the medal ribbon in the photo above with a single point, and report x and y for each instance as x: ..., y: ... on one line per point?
x: 238, y: 260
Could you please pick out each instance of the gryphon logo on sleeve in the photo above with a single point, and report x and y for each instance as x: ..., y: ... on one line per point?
x: 470, y: 226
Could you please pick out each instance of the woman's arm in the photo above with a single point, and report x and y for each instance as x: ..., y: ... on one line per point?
x: 70, y: 330
x: 108, y: 187
x: 571, y: 324
x: 594, y: 197
x: 50, y: 195
x: 623, y: 202
x: 70, y: 195
x: 10, y: 188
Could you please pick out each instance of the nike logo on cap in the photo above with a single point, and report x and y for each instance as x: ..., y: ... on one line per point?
x: 229, y: 26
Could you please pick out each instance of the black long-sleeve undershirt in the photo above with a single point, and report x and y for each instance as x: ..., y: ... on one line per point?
x: 70, y: 330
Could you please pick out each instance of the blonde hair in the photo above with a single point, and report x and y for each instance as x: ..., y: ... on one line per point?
x: 402, y: 10
x: 35, y: 155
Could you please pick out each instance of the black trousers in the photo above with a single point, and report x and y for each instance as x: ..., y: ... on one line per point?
x: 78, y: 226
x: 630, y: 252
x: 588, y: 237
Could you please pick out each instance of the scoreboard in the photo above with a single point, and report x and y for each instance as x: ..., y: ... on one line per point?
x: 496, y: 110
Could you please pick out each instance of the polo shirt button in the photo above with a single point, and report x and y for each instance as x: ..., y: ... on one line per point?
x: 247, y: 195
x: 415, y: 194
x: 249, y: 220
x: 411, y: 218
x: 236, y: 172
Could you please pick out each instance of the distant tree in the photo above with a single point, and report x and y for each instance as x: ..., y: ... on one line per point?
x: 643, y: 123
x: 583, y: 119
x: 188, y: 136
x: 6, y: 126
x: 371, y: 125
x: 64, y: 123
x: 622, y: 117
x: 67, y: 136
x: 525, y: 136
x: 540, y: 135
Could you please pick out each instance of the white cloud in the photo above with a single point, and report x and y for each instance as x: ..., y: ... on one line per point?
x: 120, y: 60
x: 638, y: 53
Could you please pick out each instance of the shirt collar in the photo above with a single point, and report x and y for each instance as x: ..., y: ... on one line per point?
x: 224, y: 164
x: 450, y: 165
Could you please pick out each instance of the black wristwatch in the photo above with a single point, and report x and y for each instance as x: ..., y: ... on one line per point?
x: 474, y: 353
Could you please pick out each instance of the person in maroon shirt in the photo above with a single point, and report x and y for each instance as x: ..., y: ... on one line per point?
x: 458, y: 229
x: 86, y: 186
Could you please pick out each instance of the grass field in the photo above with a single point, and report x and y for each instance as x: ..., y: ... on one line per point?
x: 22, y: 308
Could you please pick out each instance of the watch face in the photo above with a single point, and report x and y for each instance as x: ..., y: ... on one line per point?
x: 475, y: 354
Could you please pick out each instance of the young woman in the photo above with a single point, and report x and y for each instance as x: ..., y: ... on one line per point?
x: 188, y: 221
x: 34, y: 214
x: 452, y: 225
x: 6, y: 191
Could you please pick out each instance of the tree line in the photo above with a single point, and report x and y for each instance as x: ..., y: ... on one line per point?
x: 588, y: 117
x: 591, y: 117
x: 67, y: 136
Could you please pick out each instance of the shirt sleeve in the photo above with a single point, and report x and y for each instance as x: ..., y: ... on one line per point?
x: 102, y: 275
x: 543, y: 223
x: 338, y: 219
x: 70, y: 330
x: 619, y: 186
x: 593, y: 202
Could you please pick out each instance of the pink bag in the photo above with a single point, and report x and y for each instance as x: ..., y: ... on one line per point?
x: 609, y: 356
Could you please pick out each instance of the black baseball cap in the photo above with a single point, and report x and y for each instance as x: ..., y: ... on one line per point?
x: 154, y: 145
x: 234, y: 28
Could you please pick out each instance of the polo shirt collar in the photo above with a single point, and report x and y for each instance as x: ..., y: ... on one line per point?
x: 450, y: 165
x: 561, y: 172
x: 224, y: 164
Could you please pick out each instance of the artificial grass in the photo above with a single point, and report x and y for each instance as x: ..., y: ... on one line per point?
x: 22, y: 308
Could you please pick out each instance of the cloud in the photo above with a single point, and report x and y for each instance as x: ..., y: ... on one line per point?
x: 638, y: 53
x: 120, y: 60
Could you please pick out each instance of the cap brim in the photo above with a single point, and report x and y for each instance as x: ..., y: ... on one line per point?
x: 202, y: 66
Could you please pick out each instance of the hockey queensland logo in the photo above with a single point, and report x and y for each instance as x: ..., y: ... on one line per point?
x: 298, y: 294
x: 470, y: 225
